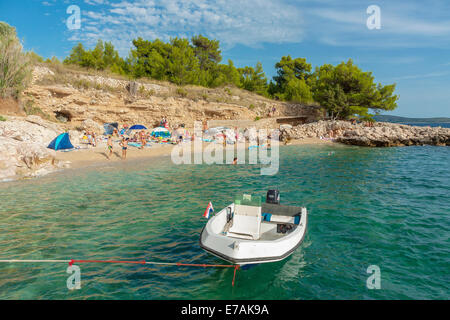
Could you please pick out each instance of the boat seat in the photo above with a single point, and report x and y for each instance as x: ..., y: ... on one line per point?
x: 246, y: 222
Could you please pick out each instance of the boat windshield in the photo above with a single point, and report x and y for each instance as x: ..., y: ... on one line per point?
x: 248, y: 200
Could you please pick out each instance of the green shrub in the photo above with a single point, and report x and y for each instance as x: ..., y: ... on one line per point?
x: 31, y: 109
x: 2, y: 118
x: 82, y: 84
x: 251, y: 107
x: 257, y: 118
x: 182, y: 92
x: 146, y: 93
x: 15, y: 66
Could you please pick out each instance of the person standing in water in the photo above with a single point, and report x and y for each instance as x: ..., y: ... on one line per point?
x: 124, y: 145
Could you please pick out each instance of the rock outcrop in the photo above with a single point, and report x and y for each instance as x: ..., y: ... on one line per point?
x: 23, y: 147
x: 71, y: 98
x: 380, y: 134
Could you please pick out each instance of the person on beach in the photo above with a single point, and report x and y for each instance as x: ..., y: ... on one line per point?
x: 124, y: 145
x: 179, y: 133
x: 224, y: 139
x: 110, y: 147
x: 89, y: 136
x: 331, y: 134
x: 94, y: 139
x: 142, y: 139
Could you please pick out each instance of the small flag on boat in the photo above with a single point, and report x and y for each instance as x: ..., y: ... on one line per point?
x: 208, y: 210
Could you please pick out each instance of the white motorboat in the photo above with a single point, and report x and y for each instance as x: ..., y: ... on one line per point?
x: 250, y: 232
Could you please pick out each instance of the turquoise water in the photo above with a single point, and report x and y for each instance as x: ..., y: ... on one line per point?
x: 424, y: 124
x: 387, y: 207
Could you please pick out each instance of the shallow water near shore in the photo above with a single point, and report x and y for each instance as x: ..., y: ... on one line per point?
x: 387, y: 207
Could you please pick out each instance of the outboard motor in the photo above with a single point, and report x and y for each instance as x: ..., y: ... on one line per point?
x: 229, y: 214
x: 273, y: 196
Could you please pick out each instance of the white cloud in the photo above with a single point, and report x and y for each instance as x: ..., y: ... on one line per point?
x: 256, y: 22
x: 95, y: 2
x: 422, y: 76
x: 232, y: 22
x: 404, y: 24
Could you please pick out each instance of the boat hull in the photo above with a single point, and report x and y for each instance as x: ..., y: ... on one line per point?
x: 242, y: 251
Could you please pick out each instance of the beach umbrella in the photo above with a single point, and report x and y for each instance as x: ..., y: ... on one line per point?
x: 138, y: 127
x: 161, y: 132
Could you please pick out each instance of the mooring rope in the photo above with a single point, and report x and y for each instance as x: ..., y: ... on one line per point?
x: 143, y: 262
x: 32, y: 261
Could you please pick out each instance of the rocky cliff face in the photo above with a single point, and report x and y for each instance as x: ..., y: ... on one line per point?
x: 381, y: 134
x: 72, y: 98
x: 23, y: 146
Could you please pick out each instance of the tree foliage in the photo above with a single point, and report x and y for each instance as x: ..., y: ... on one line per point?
x: 290, y: 83
x: 343, y: 90
x: 102, y: 57
x: 253, y: 79
x: 207, y: 52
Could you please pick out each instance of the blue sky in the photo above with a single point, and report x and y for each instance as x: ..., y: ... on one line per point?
x: 411, y: 48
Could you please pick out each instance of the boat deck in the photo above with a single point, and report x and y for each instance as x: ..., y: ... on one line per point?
x: 269, y: 231
x: 280, y: 210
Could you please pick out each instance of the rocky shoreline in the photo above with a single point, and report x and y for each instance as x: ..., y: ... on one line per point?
x: 23, y: 147
x: 380, y: 134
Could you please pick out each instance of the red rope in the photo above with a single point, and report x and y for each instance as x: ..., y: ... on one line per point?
x: 236, y: 267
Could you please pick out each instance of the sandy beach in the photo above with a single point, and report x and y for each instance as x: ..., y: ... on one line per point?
x: 88, y: 155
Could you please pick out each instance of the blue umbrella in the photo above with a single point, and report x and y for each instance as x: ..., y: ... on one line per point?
x: 138, y: 127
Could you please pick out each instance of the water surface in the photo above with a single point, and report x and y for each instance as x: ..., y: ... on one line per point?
x: 387, y: 207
